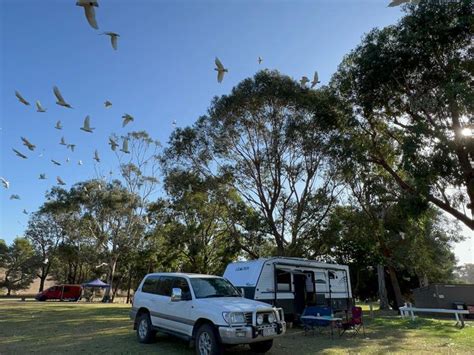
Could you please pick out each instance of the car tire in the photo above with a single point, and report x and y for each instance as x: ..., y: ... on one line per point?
x: 207, y: 342
x: 262, y: 346
x: 145, y: 332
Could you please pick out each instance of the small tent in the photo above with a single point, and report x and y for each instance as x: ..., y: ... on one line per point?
x: 96, y: 283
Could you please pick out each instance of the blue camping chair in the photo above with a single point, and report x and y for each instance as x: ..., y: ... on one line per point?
x: 310, y: 323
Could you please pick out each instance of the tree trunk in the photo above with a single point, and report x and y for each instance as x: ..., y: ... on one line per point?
x: 129, y: 284
x: 42, y: 280
x: 395, y: 286
x: 110, y: 280
x: 44, y: 275
x: 423, y: 280
x: 382, y: 288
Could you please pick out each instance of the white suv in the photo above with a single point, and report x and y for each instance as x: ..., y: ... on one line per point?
x: 205, y: 309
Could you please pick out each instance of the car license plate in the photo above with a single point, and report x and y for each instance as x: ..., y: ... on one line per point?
x: 268, y: 332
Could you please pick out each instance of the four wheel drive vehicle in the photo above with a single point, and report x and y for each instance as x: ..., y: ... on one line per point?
x: 61, y: 292
x: 206, y: 310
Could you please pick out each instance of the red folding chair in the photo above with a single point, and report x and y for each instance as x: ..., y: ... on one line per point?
x: 355, y: 323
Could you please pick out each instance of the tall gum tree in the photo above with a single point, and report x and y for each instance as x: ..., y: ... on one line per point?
x: 270, y: 134
x: 412, y: 93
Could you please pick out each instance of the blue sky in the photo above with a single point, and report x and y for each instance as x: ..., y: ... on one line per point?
x: 162, y: 71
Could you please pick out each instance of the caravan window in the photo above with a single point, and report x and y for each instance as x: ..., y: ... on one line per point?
x: 283, y: 280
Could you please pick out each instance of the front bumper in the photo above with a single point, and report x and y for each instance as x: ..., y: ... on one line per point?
x: 249, y: 334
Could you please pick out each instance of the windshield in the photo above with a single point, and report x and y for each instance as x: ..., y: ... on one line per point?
x: 213, y: 287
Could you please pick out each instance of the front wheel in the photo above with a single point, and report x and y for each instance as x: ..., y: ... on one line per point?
x: 262, y: 346
x: 206, y: 342
x: 145, y: 332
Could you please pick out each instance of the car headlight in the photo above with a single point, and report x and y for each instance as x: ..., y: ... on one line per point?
x: 260, y: 319
x: 234, y: 317
x: 271, y: 318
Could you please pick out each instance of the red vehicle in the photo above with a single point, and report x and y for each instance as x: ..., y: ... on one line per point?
x: 61, y: 292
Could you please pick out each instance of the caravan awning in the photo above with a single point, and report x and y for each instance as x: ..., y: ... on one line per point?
x: 290, y: 269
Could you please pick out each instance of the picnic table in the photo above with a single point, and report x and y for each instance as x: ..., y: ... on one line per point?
x: 409, y: 310
x: 332, y: 321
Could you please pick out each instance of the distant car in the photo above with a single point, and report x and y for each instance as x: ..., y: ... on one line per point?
x: 207, y: 310
x: 61, y: 292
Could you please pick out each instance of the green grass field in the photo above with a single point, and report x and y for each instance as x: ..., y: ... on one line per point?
x: 96, y: 328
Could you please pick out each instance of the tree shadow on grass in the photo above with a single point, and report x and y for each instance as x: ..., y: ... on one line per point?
x: 67, y: 328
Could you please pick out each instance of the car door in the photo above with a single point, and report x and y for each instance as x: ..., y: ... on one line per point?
x: 66, y: 293
x: 161, y: 313
x: 182, y: 312
x: 150, y: 299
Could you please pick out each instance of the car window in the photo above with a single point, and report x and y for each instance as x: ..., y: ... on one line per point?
x: 213, y: 287
x: 165, y: 285
x: 151, y: 284
x: 181, y: 283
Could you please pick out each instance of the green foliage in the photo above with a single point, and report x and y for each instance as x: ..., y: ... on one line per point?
x: 270, y: 137
x: 410, y: 85
x: 3, y: 252
x: 20, y: 263
x: 198, y: 226
x: 45, y: 233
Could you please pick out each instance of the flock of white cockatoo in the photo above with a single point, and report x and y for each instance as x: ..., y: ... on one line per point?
x: 89, y: 10
x: 86, y: 127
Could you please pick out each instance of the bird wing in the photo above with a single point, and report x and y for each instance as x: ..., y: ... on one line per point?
x: 87, y: 122
x: 22, y: 100
x: 4, y: 182
x: 38, y: 106
x: 19, y: 154
x: 125, y: 145
x: 396, y: 3
x: 90, y: 16
x: 219, y: 64
x: 113, y: 40
x: 58, y: 95
x: 315, y: 79
x: 220, y: 76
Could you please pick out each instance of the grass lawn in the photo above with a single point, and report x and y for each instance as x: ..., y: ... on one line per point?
x: 95, y: 328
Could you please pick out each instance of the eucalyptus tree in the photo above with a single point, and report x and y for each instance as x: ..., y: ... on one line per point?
x: 105, y: 214
x: 45, y: 234
x: 20, y: 262
x: 198, y: 223
x: 410, y: 86
x: 270, y: 135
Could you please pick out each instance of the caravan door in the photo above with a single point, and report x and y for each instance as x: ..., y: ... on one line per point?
x: 321, y: 287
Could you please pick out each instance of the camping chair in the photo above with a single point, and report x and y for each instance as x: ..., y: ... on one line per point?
x: 355, y: 323
x: 314, y: 311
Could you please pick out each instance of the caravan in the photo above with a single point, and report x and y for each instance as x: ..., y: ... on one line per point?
x: 293, y: 283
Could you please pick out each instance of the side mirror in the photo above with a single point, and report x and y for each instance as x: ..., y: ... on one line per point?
x: 176, y: 294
